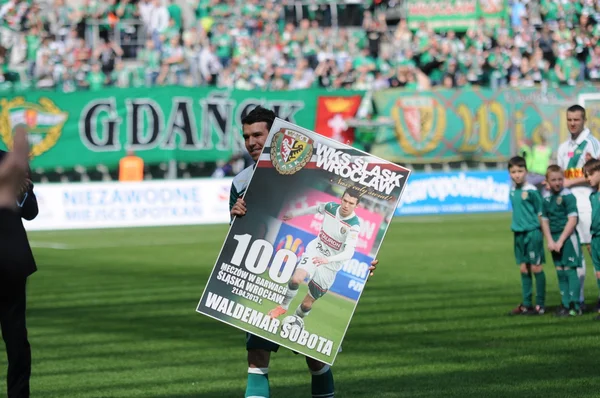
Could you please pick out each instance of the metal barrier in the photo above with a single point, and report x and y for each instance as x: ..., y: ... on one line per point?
x: 396, y: 12
x: 129, y: 34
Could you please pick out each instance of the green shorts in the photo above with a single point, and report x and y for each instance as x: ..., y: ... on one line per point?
x: 529, y: 247
x: 570, y: 254
x: 596, y: 252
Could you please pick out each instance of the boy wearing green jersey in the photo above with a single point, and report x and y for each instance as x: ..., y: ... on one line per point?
x: 591, y: 170
x: 528, y: 239
x: 559, y: 222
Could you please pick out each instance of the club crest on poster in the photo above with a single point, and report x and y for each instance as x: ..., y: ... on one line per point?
x: 290, y: 151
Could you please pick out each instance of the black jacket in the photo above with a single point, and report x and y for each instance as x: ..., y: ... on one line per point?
x: 16, y: 258
x: 28, y: 203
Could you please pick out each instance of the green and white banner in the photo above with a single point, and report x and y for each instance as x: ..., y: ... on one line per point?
x: 159, y: 124
x: 474, y: 124
x: 458, y: 15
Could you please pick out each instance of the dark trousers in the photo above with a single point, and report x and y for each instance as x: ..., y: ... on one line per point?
x: 14, y: 333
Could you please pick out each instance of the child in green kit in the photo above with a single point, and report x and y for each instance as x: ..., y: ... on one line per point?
x: 528, y: 239
x: 591, y: 170
x: 559, y: 222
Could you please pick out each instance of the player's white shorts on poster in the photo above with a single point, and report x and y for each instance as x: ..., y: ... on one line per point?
x: 320, y: 277
x: 584, y: 210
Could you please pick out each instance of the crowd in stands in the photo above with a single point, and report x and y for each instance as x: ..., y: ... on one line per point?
x: 259, y: 45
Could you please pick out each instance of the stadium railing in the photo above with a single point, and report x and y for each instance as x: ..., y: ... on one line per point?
x: 127, y: 34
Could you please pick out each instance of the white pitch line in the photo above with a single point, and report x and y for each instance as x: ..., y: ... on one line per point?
x: 62, y: 246
x: 418, y: 220
x: 49, y: 245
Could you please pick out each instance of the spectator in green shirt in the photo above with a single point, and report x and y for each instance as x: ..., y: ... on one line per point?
x: 251, y: 12
x: 150, y: 60
x: 498, y: 63
x: 64, y: 16
x: 171, y: 31
x: 223, y: 42
x: 175, y: 14
x: 120, y: 76
x: 125, y: 10
x: 33, y: 42
x: 202, y: 9
x: 96, y: 79
x: 567, y: 69
x: 549, y: 10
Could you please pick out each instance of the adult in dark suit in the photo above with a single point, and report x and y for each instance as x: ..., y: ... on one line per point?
x: 16, y: 262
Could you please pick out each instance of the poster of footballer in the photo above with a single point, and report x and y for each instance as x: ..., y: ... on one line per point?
x: 293, y: 268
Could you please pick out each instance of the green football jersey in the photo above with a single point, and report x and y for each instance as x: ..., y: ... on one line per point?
x: 557, y: 208
x: 595, y: 200
x: 239, y: 185
x: 526, y: 204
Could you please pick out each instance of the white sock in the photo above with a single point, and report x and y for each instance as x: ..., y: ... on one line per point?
x: 323, y: 370
x: 581, y: 274
x: 301, y: 313
x: 258, y: 371
x: 289, y: 296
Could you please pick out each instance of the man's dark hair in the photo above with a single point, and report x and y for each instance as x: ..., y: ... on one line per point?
x: 260, y: 114
x: 353, y: 192
x: 517, y: 161
x: 577, y: 108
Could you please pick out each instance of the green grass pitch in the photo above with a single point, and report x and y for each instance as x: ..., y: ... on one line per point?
x: 112, y: 314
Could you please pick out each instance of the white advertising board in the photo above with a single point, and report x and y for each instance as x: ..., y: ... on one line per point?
x: 137, y: 204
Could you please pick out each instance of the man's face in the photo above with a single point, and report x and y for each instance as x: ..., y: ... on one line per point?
x: 348, y: 205
x: 517, y: 174
x: 556, y: 181
x: 254, y: 138
x: 575, y: 122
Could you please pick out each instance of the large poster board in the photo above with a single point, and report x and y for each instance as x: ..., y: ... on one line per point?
x: 317, y: 213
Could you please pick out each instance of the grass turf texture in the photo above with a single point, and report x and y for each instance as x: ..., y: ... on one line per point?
x: 112, y: 314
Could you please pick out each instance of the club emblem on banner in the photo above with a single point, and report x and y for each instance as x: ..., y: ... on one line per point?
x: 44, y: 121
x: 420, y: 124
x: 290, y: 151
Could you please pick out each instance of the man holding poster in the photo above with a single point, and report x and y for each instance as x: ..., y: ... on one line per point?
x: 253, y: 272
x: 256, y: 127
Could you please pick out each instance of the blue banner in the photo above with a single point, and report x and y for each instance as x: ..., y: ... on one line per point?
x: 456, y: 192
x: 350, y: 280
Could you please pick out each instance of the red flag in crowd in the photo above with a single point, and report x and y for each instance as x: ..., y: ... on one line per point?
x: 332, y: 113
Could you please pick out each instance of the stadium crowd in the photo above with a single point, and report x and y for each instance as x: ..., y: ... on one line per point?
x: 256, y: 45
